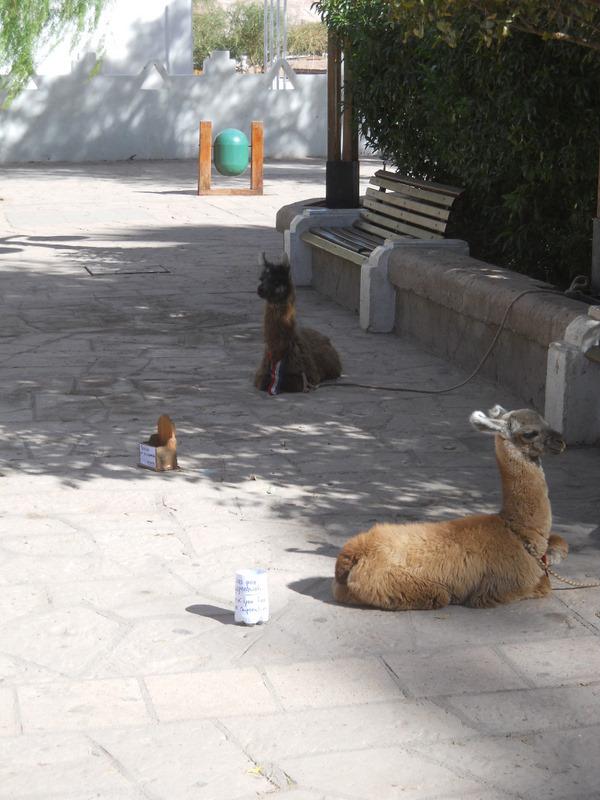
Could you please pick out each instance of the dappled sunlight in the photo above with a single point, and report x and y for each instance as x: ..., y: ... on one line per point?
x: 92, y: 360
x: 114, y: 575
x: 152, y: 114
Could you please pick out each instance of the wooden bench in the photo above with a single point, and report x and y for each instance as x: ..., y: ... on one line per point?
x: 395, y: 207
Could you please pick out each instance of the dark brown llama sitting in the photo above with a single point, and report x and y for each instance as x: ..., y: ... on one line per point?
x: 295, y: 359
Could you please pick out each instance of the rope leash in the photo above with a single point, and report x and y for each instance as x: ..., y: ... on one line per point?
x: 485, y: 357
x: 573, y: 584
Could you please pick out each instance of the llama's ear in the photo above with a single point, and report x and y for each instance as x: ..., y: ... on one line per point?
x: 496, y: 412
x: 486, y: 424
x: 262, y: 259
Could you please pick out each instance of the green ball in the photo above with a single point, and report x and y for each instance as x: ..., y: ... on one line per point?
x: 231, y: 152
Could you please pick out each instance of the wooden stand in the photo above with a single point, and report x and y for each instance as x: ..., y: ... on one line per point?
x: 205, y: 161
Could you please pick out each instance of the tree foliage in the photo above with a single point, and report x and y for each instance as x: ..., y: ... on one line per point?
x: 238, y: 29
x: 307, y: 38
x: 246, y: 31
x: 576, y: 21
x: 27, y: 24
x: 517, y: 125
x: 209, y: 28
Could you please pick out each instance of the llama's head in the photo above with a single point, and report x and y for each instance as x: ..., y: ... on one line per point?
x: 524, y: 428
x: 275, y: 284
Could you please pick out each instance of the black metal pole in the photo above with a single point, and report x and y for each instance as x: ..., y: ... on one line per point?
x: 342, y: 171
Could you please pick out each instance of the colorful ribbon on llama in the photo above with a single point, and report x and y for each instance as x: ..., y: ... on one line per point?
x: 274, y: 377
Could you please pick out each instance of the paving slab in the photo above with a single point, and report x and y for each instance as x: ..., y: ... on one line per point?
x: 360, y: 726
x: 191, y: 761
x: 53, y: 765
x: 555, y: 662
x: 377, y: 772
x: 122, y: 673
x: 453, y: 671
x: 219, y: 693
x: 526, y: 765
x: 332, y: 683
x: 81, y: 705
x: 510, y: 712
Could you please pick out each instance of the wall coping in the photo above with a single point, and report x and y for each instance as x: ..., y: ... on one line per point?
x: 483, y: 292
x: 286, y: 214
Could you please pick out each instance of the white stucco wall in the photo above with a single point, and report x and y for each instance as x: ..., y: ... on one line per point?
x: 128, y: 89
x: 88, y: 117
x: 152, y: 30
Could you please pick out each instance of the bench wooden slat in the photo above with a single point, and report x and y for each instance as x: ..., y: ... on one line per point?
x: 350, y: 237
x: 424, y: 223
x: 398, y: 227
x: 337, y: 236
x: 396, y: 177
x: 365, y: 241
x: 363, y: 225
x: 434, y: 197
x: 395, y: 207
x: 375, y: 240
x: 395, y: 199
x: 335, y: 249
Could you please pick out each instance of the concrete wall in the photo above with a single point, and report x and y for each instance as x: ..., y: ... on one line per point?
x: 337, y: 279
x: 454, y: 304
x: 128, y: 89
x: 83, y: 116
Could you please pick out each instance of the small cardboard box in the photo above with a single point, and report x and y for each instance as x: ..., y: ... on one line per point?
x: 159, y: 453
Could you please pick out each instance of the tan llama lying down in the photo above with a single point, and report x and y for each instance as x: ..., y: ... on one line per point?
x: 476, y: 561
x: 295, y: 359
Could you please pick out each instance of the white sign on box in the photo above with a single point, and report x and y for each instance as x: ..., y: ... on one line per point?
x: 147, y: 456
x: 251, y: 596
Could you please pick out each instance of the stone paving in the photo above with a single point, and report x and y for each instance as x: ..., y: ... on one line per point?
x: 122, y: 674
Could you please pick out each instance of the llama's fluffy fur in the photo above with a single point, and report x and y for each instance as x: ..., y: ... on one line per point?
x: 308, y: 357
x: 477, y: 561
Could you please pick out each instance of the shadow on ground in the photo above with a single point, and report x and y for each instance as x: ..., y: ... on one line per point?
x: 89, y: 361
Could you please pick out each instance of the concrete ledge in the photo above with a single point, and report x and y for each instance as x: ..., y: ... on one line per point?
x: 476, y: 289
x: 299, y: 252
x: 286, y: 214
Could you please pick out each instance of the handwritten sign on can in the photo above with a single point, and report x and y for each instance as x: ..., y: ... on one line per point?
x: 251, y: 596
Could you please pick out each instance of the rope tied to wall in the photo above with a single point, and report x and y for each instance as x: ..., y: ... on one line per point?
x: 486, y: 355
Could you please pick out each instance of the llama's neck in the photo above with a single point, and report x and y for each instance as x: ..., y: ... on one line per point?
x: 279, y: 327
x: 525, y: 504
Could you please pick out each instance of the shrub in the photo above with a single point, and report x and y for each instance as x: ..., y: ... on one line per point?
x: 238, y: 29
x: 209, y: 27
x: 25, y: 27
x: 517, y: 125
x: 307, y: 38
x: 246, y: 31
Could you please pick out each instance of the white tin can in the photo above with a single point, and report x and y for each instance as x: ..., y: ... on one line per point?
x: 251, y: 596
